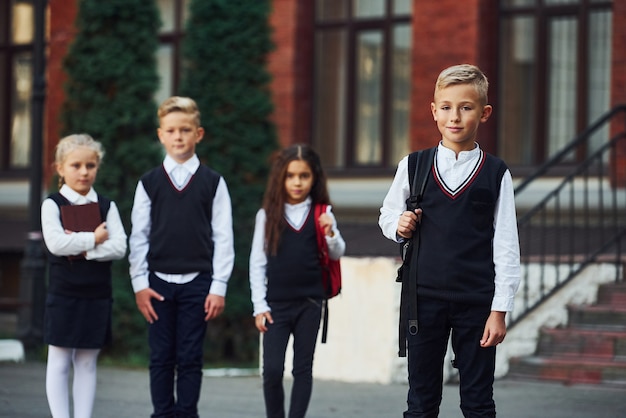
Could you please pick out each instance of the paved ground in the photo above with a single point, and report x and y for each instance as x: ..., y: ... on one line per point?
x: 124, y: 394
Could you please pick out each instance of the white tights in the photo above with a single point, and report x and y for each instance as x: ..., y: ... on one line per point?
x: 84, y: 383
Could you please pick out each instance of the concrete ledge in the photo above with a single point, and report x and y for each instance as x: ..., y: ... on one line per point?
x: 11, y: 350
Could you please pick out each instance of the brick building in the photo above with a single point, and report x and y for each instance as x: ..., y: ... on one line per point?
x: 355, y: 79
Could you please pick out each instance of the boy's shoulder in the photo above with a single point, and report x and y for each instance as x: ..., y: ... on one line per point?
x: 495, y: 160
x: 203, y: 168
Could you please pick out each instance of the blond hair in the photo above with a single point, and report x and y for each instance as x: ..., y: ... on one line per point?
x: 71, y: 142
x: 180, y: 104
x: 464, y: 74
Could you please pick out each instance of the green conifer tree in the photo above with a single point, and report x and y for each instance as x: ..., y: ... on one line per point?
x: 224, y: 54
x: 111, y: 83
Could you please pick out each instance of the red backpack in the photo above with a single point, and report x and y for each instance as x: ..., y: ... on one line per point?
x: 331, y: 269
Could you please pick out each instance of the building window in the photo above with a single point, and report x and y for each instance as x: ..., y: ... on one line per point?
x: 16, y: 74
x: 174, y: 14
x: 555, y: 60
x: 362, y: 82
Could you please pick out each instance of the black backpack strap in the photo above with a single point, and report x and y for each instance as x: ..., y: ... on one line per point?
x: 419, y: 166
x: 414, y: 157
x: 324, y: 320
x: 420, y: 163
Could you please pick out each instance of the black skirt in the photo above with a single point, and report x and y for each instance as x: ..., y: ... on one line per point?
x: 77, y: 322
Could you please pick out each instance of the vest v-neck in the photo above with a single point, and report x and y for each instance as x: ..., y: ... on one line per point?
x: 306, y: 219
x: 172, y: 183
x: 464, y: 185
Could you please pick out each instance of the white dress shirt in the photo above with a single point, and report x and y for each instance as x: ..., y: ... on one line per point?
x: 454, y: 170
x: 221, y: 225
x: 296, y: 215
x: 62, y: 244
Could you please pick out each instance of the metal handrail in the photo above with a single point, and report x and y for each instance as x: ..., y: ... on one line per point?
x: 581, y: 221
x: 579, y: 140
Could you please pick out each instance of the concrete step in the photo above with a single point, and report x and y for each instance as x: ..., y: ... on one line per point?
x: 569, y: 370
x: 582, y: 343
x: 612, y: 294
x: 598, y: 317
x: 11, y: 350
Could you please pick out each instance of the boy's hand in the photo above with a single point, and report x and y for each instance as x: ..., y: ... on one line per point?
x: 143, y: 298
x: 262, y: 319
x: 408, y: 222
x: 326, y: 223
x: 213, y: 306
x: 495, y: 330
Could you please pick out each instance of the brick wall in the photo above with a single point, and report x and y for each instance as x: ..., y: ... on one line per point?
x: 445, y: 33
x: 291, y: 67
x: 61, y: 33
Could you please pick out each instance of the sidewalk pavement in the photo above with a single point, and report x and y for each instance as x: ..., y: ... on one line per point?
x: 125, y: 394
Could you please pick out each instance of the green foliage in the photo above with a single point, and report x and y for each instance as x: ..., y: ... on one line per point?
x: 224, y: 54
x: 112, y: 79
x: 111, y: 83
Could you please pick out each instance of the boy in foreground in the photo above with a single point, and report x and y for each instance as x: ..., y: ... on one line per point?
x: 468, y: 267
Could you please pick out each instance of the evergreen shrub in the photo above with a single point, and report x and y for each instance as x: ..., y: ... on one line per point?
x: 224, y: 56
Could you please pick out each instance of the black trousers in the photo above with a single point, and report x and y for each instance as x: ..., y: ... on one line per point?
x: 302, y: 319
x: 176, y: 346
x: 426, y: 351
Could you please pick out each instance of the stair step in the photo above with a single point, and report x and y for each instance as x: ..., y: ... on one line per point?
x: 578, y: 343
x: 569, y: 370
x: 613, y: 294
x: 599, y: 317
x: 590, y: 349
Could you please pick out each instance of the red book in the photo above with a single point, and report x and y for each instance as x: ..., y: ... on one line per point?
x: 81, y: 218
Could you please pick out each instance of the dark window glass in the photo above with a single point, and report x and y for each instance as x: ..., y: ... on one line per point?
x: 16, y: 75
x: 555, y: 60
x: 361, y: 82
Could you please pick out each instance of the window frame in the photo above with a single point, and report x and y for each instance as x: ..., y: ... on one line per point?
x: 8, y: 53
x: 353, y: 27
x: 174, y: 38
x: 543, y: 15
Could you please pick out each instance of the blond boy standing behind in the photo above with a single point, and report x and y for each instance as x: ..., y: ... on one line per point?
x: 181, y: 257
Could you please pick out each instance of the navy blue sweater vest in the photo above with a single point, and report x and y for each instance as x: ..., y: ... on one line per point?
x: 456, y: 254
x: 78, y: 277
x: 295, y: 271
x: 180, y: 233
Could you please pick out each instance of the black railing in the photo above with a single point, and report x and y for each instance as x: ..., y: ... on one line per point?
x: 582, y: 220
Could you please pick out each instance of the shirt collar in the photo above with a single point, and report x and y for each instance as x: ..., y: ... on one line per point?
x: 191, y: 164
x: 463, y: 155
x: 77, y: 198
x: 305, y: 203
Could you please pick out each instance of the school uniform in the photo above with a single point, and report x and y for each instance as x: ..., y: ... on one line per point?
x: 181, y: 247
x: 468, y: 266
x: 79, y: 299
x: 289, y: 285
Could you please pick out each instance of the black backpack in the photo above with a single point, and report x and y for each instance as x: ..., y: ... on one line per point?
x: 419, y: 167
